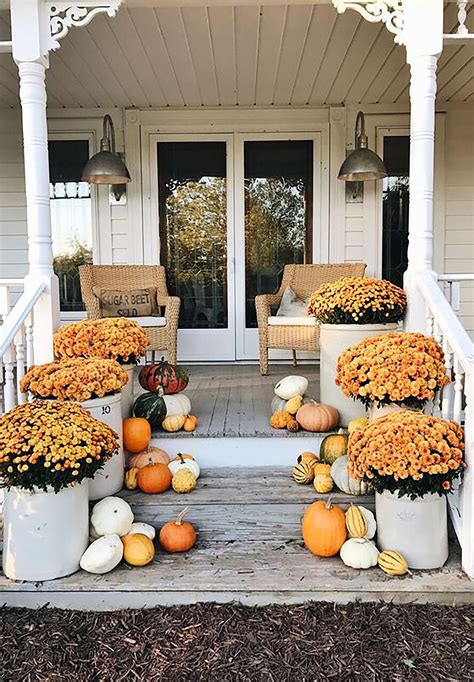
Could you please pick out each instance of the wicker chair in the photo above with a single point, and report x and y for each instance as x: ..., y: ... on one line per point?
x: 301, y: 334
x: 163, y: 333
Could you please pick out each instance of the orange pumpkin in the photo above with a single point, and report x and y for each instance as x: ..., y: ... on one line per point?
x: 317, y: 417
x: 190, y: 423
x: 280, y: 420
x: 177, y: 535
x: 154, y: 478
x: 148, y: 456
x: 136, y: 434
x: 324, y: 528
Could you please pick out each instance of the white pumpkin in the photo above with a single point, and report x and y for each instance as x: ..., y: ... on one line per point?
x: 181, y: 462
x: 103, y: 555
x: 144, y: 529
x: 359, y: 553
x: 111, y: 516
x: 290, y: 386
x: 344, y: 481
x: 371, y: 523
x: 177, y: 403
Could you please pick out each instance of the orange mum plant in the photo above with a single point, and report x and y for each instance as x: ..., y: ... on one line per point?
x: 52, y: 444
x: 358, y: 300
x: 403, y: 368
x: 408, y: 452
x: 74, y: 379
x: 110, y: 338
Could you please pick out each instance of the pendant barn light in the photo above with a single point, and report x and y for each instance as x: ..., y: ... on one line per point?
x: 106, y: 167
x: 362, y: 164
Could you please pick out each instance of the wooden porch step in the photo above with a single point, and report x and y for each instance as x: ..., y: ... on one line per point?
x: 233, y: 504
x: 254, y: 573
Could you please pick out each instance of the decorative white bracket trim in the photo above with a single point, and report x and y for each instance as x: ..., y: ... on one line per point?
x: 62, y: 15
x: 390, y: 12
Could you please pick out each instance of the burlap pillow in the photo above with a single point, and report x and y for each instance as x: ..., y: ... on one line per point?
x: 120, y: 303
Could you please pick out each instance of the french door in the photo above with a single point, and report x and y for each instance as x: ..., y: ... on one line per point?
x: 228, y: 212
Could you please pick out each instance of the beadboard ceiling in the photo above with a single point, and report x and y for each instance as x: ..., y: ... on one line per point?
x: 246, y: 55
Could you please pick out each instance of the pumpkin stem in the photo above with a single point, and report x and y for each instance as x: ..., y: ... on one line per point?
x: 329, y: 503
x: 179, y: 518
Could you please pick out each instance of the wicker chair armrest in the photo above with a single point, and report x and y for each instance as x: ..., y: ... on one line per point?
x: 263, y: 304
x: 172, y: 305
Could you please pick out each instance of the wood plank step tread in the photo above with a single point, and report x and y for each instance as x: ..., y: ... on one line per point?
x: 250, y: 572
x: 244, y: 486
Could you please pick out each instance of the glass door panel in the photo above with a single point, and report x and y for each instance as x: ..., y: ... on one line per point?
x: 193, y: 229
x: 278, y: 186
x: 395, y: 200
x: 194, y: 202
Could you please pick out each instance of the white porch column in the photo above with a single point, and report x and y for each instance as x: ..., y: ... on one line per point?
x: 423, y: 33
x: 28, y: 54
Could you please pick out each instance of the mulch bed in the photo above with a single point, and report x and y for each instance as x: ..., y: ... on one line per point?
x: 318, y: 641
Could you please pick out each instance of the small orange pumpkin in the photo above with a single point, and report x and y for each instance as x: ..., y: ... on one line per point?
x: 190, y: 423
x: 324, y: 528
x: 136, y: 434
x: 317, y: 417
x: 177, y: 535
x: 148, y: 456
x: 154, y: 478
x: 280, y: 420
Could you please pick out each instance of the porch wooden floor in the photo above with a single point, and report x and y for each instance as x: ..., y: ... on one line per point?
x: 249, y: 550
x: 234, y: 400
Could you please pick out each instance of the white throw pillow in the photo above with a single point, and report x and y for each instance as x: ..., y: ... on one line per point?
x: 291, y: 305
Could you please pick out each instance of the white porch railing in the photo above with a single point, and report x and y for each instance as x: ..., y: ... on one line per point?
x: 16, y: 345
x: 457, y: 400
x: 453, y: 288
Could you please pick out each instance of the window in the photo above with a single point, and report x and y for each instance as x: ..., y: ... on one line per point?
x: 71, y: 217
x: 396, y: 193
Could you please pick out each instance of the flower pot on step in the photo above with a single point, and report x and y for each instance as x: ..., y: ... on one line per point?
x: 334, y: 339
x: 416, y: 528
x: 109, y: 479
x: 45, y: 533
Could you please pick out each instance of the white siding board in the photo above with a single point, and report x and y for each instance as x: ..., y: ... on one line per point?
x: 146, y: 23
x: 197, y: 29
x: 340, y: 39
x: 175, y: 39
x: 322, y: 23
x: 272, y: 27
x: 293, y: 41
x: 247, y: 22
x: 221, y: 20
x: 126, y: 34
x: 14, y: 199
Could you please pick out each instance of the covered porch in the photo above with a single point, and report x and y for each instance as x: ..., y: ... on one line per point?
x: 245, y: 82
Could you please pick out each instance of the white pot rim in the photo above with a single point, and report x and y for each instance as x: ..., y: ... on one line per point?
x: 367, y: 327
x: 427, y: 497
x: 109, y: 399
x: 49, y: 490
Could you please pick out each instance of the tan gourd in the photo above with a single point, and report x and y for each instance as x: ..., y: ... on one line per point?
x: 130, y: 478
x: 294, y: 404
x: 317, y: 417
x: 184, y: 481
x: 356, y: 522
x: 392, y: 562
x: 323, y: 482
x: 173, y: 423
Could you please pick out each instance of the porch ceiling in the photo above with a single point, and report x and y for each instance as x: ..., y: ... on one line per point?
x: 223, y: 56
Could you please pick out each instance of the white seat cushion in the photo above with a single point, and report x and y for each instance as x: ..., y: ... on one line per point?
x: 301, y: 321
x: 149, y: 321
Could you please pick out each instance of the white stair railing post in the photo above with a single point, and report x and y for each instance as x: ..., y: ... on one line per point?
x: 29, y: 53
x: 423, y: 32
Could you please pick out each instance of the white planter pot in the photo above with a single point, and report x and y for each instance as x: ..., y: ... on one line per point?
x: 109, y: 479
x: 334, y: 339
x: 45, y: 533
x: 127, y: 392
x: 376, y: 412
x: 416, y: 528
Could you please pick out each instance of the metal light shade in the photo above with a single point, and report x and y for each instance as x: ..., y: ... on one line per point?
x: 106, y: 167
x: 362, y: 164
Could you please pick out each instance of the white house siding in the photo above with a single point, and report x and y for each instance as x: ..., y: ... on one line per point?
x: 13, y: 231
x: 459, y: 235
